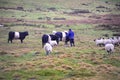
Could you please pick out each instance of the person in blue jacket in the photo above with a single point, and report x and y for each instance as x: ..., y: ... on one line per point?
x: 71, y: 37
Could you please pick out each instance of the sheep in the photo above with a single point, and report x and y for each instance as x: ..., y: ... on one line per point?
x: 115, y: 41
x: 1, y: 25
x: 109, y: 48
x: 49, y: 45
x: 47, y: 48
x: 99, y: 42
x: 107, y: 41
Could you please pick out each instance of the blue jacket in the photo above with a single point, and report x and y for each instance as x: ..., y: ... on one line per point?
x: 71, y: 34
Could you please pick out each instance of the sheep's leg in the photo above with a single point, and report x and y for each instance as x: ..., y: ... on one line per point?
x: 47, y: 52
x: 108, y: 52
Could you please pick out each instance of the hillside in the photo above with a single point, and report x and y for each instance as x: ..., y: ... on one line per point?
x: 89, y: 19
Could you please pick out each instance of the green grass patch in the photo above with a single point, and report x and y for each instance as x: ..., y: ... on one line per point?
x: 114, y: 62
x: 81, y: 73
x: 25, y: 75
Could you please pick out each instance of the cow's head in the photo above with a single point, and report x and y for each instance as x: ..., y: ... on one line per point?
x: 26, y: 33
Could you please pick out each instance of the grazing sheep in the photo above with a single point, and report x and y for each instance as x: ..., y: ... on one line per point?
x: 109, y: 48
x: 1, y: 25
x: 115, y: 41
x: 99, y: 42
x: 107, y: 41
x: 47, y: 48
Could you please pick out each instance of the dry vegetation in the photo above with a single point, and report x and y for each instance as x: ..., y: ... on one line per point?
x: 89, y: 19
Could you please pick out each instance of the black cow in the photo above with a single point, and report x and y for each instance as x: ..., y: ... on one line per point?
x: 17, y: 35
x: 45, y: 38
x: 60, y: 35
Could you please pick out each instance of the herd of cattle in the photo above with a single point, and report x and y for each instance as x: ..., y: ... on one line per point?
x: 50, y: 40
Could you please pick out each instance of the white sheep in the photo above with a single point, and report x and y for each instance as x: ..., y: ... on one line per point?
x: 115, y: 41
x: 99, y: 42
x: 48, y: 48
x: 107, y: 41
x: 53, y: 43
x: 1, y: 25
x: 109, y: 48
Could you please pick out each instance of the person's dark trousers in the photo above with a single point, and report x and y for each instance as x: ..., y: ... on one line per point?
x: 72, y: 42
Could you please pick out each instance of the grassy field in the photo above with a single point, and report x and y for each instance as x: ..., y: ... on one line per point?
x: 85, y: 61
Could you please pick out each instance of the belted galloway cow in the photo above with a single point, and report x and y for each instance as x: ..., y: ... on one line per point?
x: 17, y: 35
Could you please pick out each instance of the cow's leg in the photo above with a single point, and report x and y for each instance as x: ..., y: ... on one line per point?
x: 57, y: 41
x: 21, y: 41
x: 11, y: 40
x: 60, y: 39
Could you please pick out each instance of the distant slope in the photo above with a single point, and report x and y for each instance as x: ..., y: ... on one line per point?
x: 54, y: 10
x: 68, y: 4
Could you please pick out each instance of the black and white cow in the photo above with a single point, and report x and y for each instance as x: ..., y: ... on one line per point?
x: 47, y: 38
x: 17, y: 35
x: 63, y: 36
